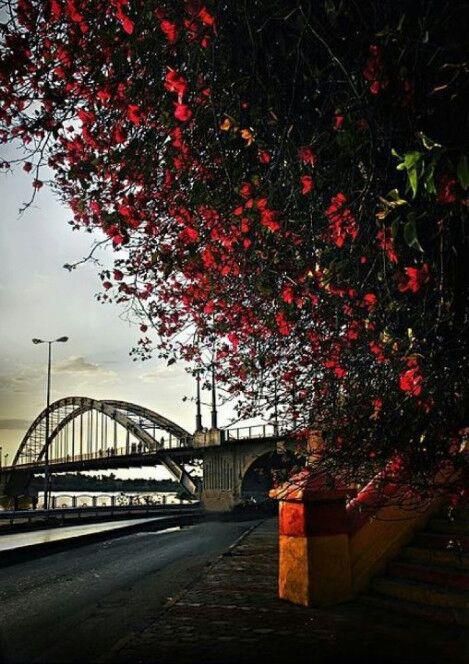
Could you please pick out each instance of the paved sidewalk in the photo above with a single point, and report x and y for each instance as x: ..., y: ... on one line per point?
x: 231, y: 615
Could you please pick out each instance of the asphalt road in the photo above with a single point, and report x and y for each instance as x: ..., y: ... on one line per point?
x: 73, y: 606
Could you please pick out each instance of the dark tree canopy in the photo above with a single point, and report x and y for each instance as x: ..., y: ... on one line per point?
x: 284, y: 185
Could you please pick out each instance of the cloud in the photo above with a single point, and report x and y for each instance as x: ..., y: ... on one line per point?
x: 25, y: 381
x: 13, y: 424
x: 164, y: 373
x: 77, y: 364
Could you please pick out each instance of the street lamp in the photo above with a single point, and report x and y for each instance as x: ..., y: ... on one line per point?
x: 46, y: 451
x: 198, y: 417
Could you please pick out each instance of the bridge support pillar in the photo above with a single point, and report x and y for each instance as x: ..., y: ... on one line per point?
x: 227, y: 467
x: 222, y: 480
x: 15, y: 490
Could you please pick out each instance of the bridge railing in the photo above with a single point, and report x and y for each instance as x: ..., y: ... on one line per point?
x: 131, y: 449
x: 254, y: 431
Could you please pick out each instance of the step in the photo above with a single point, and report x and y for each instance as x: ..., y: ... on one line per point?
x: 421, y: 593
x: 433, y: 613
x: 442, y: 541
x: 456, y: 527
x: 446, y: 577
x: 433, y: 557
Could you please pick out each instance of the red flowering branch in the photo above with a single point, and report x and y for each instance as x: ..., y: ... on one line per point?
x: 274, y: 185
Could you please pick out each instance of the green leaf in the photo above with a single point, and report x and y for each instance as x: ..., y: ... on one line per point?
x: 412, y: 158
x: 429, y: 180
x: 396, y: 197
x: 413, y: 180
x: 463, y: 172
x: 410, y: 234
x: 395, y: 228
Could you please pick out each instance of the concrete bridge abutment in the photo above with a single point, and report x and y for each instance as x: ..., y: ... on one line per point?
x: 16, y: 491
x: 227, y: 464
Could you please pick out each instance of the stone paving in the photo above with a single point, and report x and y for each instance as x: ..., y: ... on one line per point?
x: 232, y: 615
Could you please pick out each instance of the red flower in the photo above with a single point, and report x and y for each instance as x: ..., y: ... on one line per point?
x: 264, y: 156
x: 307, y: 184
x: 377, y: 351
x: 55, y: 9
x: 182, y: 112
x: 104, y: 96
x: 118, y: 275
x: 134, y: 114
x: 37, y: 184
x: 284, y: 326
x: 175, y: 82
x: 86, y: 117
x: 233, y: 339
x: 207, y: 258
x: 411, y: 380
x: 269, y: 220
x: 288, y: 294
x: 123, y: 19
x: 27, y: 166
x: 127, y: 24
x: 189, y: 235
x: 306, y: 155
x: 447, y: 190
x: 416, y: 278
x: 374, y: 71
x: 338, y: 122
x: 370, y: 300
x: 107, y: 285
x: 386, y: 243
x: 334, y: 365
x: 246, y: 190
x: 170, y: 30
x: 206, y: 17
x: 342, y: 223
x: 377, y: 404
x: 143, y: 328
x: 118, y: 134
x: 73, y: 12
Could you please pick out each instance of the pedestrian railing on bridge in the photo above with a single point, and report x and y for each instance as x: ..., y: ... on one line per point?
x: 132, y: 449
x: 254, y: 431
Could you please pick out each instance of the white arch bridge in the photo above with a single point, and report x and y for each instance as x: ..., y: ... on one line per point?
x: 80, y: 433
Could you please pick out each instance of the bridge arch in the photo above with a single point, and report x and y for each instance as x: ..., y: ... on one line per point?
x: 139, y: 421
x: 260, y: 474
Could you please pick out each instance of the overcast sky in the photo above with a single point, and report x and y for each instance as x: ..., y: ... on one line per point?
x: 39, y: 298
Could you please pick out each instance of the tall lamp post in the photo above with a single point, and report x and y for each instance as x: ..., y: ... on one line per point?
x: 46, y: 450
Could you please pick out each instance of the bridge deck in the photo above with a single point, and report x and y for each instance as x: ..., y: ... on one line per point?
x: 120, y: 458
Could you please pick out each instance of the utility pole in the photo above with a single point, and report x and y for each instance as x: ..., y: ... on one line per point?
x: 275, y: 408
x: 198, y: 417
x: 46, y: 447
x: 214, y: 400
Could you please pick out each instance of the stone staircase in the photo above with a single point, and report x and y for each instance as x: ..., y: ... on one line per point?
x: 430, y: 577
